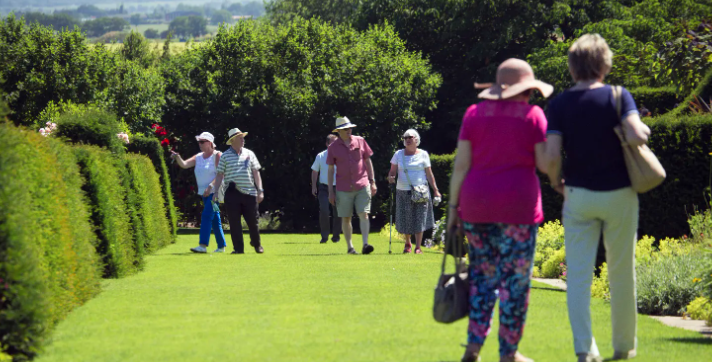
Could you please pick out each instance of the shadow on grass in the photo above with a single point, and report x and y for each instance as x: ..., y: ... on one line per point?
x: 552, y: 289
x: 697, y: 340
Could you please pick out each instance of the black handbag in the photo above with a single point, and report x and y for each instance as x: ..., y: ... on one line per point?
x: 452, y: 293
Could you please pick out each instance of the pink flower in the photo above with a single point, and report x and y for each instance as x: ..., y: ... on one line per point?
x: 561, y: 264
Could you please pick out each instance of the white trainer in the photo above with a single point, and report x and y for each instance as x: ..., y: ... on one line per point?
x: 219, y: 250
x: 199, y: 249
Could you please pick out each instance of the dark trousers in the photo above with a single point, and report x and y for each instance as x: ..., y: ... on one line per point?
x: 324, y: 214
x: 240, y: 205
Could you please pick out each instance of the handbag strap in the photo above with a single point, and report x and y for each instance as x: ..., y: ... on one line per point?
x: 450, y: 238
x: 617, y: 93
x: 405, y: 170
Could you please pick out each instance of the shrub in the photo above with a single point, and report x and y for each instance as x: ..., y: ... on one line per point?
x: 703, y: 90
x: 150, y: 147
x: 149, y: 202
x: 600, y: 288
x: 701, y: 309
x: 48, y: 265
x: 109, y: 209
x: 90, y: 125
x: 667, y: 285
x: 549, y: 240
x: 657, y: 100
x: 442, y: 170
x: 553, y: 267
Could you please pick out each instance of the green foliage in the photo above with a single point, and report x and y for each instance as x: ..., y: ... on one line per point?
x: 701, y: 309
x: 600, y: 288
x: 40, y: 66
x: 110, y: 216
x: 554, y: 266
x: 151, y: 34
x: 549, y: 240
x: 656, y: 100
x: 57, y: 21
x: 101, y: 26
x: 89, y: 125
x: 149, y: 202
x: 685, y: 59
x: 703, y: 91
x: 150, y: 147
x: 221, y: 16
x: 135, y: 94
x: 667, y: 285
x: 48, y: 265
x: 136, y: 48
x: 189, y: 26
x: 260, y: 77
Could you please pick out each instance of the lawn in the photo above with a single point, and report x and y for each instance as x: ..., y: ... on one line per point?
x: 302, y: 301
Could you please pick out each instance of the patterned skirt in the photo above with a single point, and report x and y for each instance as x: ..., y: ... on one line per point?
x: 412, y: 218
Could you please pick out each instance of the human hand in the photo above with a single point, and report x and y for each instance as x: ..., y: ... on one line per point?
x: 260, y: 197
x: 208, y: 191
x: 391, y: 179
x: 453, y: 219
x: 374, y: 189
x: 314, y: 191
x: 332, y: 197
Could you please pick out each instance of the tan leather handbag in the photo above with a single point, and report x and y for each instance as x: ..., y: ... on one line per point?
x: 644, y: 169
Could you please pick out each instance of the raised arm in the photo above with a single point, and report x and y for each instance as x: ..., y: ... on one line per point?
x: 183, y: 164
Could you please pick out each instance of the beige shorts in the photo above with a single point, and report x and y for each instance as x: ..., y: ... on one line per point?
x: 346, y: 201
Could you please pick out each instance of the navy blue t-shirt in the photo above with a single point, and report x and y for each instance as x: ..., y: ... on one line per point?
x: 585, y: 119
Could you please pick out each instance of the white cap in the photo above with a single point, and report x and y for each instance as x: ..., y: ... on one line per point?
x: 206, y: 136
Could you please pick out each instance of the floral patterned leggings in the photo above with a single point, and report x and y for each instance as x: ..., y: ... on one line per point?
x: 501, y: 259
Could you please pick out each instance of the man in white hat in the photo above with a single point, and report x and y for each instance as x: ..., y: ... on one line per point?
x: 242, y: 191
x: 355, y: 182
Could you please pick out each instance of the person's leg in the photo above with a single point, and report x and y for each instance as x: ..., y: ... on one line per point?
x: 408, y: 244
x: 484, y: 257
x: 234, y: 217
x: 418, y: 241
x: 251, y: 213
x: 362, y: 203
x: 218, y: 228
x: 582, y: 231
x: 517, y: 244
x: 345, y: 210
x: 619, y: 237
x: 336, y: 235
x: 323, y: 196
x: 206, y: 222
x: 348, y: 231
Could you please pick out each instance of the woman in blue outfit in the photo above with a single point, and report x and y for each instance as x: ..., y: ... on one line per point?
x: 205, y: 164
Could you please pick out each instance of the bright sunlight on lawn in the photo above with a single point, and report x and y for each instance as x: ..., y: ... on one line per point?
x: 302, y: 301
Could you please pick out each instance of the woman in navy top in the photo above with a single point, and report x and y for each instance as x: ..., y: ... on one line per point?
x: 598, y: 197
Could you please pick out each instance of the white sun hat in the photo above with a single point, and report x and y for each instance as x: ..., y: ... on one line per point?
x: 206, y: 136
x: 343, y: 123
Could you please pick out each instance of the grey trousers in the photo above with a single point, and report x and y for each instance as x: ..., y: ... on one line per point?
x: 323, y: 194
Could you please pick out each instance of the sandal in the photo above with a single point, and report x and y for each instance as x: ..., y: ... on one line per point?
x: 406, y: 250
x: 418, y: 251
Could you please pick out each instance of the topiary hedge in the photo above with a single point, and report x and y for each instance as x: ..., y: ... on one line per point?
x: 150, y: 147
x: 703, y: 90
x: 657, y: 100
x: 110, y: 214
x: 47, y: 261
x: 682, y: 143
x: 149, y: 202
x: 90, y: 125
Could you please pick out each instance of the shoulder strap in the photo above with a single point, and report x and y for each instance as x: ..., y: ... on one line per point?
x: 405, y: 169
x: 617, y: 97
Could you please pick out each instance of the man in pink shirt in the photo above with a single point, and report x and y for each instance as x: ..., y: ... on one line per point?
x: 355, y: 183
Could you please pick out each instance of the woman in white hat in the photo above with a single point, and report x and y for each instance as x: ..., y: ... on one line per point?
x: 205, y: 164
x: 412, y: 166
x: 495, y: 198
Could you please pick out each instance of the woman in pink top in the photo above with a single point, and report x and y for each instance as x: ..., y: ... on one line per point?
x: 496, y: 199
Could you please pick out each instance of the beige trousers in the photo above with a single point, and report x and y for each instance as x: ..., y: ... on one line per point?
x: 586, y: 214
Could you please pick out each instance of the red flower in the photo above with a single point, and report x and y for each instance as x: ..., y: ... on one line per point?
x: 155, y: 125
x: 165, y: 142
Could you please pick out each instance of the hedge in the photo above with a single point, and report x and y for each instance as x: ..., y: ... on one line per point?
x: 47, y: 261
x: 109, y: 210
x: 150, y: 147
x: 149, y: 202
x: 90, y: 125
x: 703, y: 90
x: 657, y: 100
x: 682, y: 144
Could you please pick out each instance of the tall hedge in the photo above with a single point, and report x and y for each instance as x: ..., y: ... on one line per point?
x: 150, y: 147
x: 703, y: 90
x: 48, y: 265
x: 149, y: 202
x: 109, y: 209
x: 657, y: 100
x: 682, y: 144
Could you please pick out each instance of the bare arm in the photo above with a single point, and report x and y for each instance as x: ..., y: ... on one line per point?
x: 314, y: 179
x: 183, y: 164
x: 392, y: 173
x: 258, y: 184
x: 217, y: 160
x: 332, y: 195
x: 553, y: 156
x: 431, y: 179
x: 218, y: 182
x: 371, y: 176
x: 542, y: 163
x: 636, y: 132
x: 463, y: 161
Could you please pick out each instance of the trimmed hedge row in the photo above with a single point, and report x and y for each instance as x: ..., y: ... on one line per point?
x: 682, y: 143
x: 657, y: 100
x: 703, y: 90
x: 48, y: 263
x: 149, y: 202
x: 150, y: 147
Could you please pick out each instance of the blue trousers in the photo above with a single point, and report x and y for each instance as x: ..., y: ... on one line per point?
x: 211, y: 220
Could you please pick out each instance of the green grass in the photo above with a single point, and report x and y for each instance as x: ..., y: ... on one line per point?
x: 302, y: 301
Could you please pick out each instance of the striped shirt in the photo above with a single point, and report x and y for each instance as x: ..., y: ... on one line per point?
x: 238, y: 168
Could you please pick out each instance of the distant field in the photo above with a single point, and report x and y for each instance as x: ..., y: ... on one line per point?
x: 163, y: 27
x: 176, y: 47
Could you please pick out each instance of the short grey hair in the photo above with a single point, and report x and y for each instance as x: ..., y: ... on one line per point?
x: 415, y: 134
x: 590, y: 58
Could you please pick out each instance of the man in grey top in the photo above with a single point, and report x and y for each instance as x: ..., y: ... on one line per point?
x: 320, y: 189
x: 242, y: 190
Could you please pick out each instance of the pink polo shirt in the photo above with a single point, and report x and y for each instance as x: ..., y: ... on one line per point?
x: 502, y: 185
x: 352, y: 175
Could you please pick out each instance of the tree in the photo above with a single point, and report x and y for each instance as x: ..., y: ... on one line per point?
x: 91, y: 10
x: 253, y: 8
x: 234, y: 8
x: 151, y: 33
x: 57, y: 21
x: 136, y: 19
x: 185, y: 26
x: 101, y: 26
x: 137, y: 49
x: 221, y: 16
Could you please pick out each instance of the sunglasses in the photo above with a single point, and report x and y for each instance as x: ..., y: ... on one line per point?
x: 408, y: 138
x: 203, y: 141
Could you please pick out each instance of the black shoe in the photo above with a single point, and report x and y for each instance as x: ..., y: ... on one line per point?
x: 237, y: 252
x: 352, y: 251
x: 322, y: 242
x: 367, y: 249
x: 336, y: 240
x: 259, y: 249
